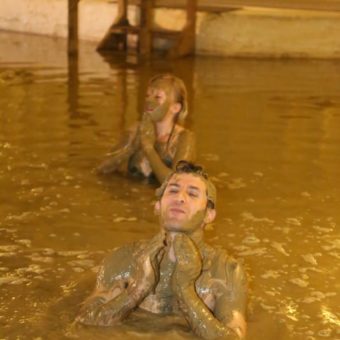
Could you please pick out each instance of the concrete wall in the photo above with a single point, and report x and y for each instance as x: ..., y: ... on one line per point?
x: 34, y: 16
x: 270, y: 33
x: 250, y: 32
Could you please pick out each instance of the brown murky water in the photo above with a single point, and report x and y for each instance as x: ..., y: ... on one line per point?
x: 268, y: 132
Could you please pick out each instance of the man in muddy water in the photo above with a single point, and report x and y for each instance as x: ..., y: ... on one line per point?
x: 176, y: 271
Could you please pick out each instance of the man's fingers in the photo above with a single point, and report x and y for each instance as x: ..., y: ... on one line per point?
x: 188, y: 261
x: 238, y: 324
x: 156, y: 244
x: 104, y: 316
x: 185, y: 250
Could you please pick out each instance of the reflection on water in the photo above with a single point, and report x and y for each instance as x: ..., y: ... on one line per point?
x: 268, y: 132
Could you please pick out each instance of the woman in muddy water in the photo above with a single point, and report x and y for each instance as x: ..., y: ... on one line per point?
x: 153, y: 146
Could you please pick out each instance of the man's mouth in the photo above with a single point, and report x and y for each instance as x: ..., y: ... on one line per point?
x: 177, y: 211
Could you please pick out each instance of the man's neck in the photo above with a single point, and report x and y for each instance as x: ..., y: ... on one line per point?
x: 198, y: 237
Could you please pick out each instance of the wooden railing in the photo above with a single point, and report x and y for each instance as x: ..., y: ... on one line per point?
x: 116, y: 36
x: 183, y: 41
x: 223, y: 5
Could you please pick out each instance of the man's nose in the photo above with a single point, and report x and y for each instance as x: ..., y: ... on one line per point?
x: 181, y: 196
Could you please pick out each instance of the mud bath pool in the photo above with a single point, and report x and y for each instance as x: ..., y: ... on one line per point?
x: 268, y: 133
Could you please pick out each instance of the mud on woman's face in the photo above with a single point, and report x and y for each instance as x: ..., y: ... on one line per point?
x: 157, y: 103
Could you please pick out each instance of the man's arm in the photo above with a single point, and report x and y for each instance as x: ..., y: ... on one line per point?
x: 110, y: 284
x: 100, y: 310
x: 120, y: 286
x: 231, y: 298
x: 202, y: 321
x: 188, y: 267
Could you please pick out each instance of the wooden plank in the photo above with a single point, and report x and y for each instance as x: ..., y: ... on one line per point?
x: 317, y: 5
x: 165, y: 33
x: 119, y: 29
x: 72, y: 41
x: 146, y: 21
x: 122, y: 11
x: 186, y: 44
x: 225, y: 5
x: 191, y: 12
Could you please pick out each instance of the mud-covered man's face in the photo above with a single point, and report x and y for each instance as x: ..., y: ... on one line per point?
x: 183, y: 206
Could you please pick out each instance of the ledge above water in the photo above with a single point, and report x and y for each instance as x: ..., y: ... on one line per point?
x: 247, y: 32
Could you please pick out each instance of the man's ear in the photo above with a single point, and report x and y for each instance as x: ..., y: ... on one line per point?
x: 157, y: 208
x: 209, y: 215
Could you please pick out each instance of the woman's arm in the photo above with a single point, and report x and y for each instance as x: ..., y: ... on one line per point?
x: 120, y: 153
x: 186, y: 147
x: 185, y: 150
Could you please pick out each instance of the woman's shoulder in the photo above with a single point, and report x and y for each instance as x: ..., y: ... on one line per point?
x: 133, y: 127
x: 182, y: 131
x: 186, y: 136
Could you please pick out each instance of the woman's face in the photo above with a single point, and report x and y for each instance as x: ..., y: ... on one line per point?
x: 157, y: 103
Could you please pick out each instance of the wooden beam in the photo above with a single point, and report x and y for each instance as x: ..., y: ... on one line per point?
x: 122, y: 18
x: 146, y: 21
x: 72, y: 46
x: 226, y: 5
x: 186, y: 44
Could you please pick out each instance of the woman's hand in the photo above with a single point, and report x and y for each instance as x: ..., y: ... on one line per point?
x: 147, y: 132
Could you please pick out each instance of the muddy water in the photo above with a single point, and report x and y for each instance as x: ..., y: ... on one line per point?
x: 268, y: 133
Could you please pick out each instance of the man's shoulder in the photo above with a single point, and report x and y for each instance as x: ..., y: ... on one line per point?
x: 126, y: 250
x: 221, y: 263
x: 122, y: 257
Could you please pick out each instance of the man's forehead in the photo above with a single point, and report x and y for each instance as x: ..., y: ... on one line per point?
x: 190, y: 180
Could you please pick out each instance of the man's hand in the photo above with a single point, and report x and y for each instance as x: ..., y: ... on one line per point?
x: 104, y: 315
x: 147, y: 271
x: 238, y: 324
x: 89, y: 311
x: 188, y: 262
x: 115, y: 304
x: 109, y: 312
x: 147, y: 132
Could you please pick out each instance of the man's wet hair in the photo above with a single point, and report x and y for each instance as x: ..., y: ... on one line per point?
x: 185, y: 167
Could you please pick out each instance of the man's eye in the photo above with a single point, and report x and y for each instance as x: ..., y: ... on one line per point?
x: 173, y: 191
x: 193, y: 194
